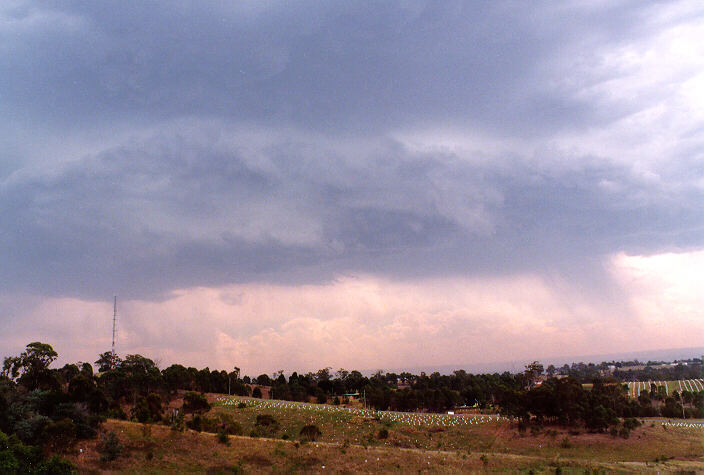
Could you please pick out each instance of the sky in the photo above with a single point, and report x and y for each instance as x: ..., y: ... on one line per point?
x: 298, y: 185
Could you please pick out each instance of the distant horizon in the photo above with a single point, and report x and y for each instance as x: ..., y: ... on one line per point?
x: 516, y: 366
x: 558, y: 361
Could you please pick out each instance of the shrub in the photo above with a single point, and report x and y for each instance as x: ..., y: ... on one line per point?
x: 566, y: 443
x: 14, y: 455
x: 383, y: 434
x: 195, y: 423
x: 242, y: 405
x: 8, y: 462
x: 631, y: 423
x: 230, y: 426
x: 223, y: 437
x: 140, y: 412
x: 60, y: 434
x: 266, y: 420
x: 56, y: 466
x: 257, y: 393
x: 178, y: 422
x: 110, y: 448
x: 117, y: 413
x: 310, y: 432
x: 155, y: 408
x: 320, y: 396
x: 195, y: 403
x: 207, y: 424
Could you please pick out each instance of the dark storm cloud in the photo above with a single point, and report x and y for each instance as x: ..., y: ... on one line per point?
x: 336, y: 66
x: 273, y: 141
x: 172, y: 213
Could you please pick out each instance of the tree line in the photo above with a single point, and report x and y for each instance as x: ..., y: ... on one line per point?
x: 44, y: 409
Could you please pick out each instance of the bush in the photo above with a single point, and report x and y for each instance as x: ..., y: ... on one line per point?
x: 60, y: 434
x: 178, y: 422
x: 266, y: 420
x: 15, y: 457
x: 195, y: 403
x: 56, y: 466
x: 257, y: 393
x: 382, y: 434
x: 266, y: 425
x: 195, y: 423
x: 566, y: 443
x: 242, y: 405
x: 110, y: 448
x: 229, y: 426
x: 631, y: 423
x: 320, y: 396
x: 223, y: 437
x: 310, y: 432
x: 140, y: 412
x: 117, y: 413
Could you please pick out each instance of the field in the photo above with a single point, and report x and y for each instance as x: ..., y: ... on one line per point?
x: 694, y: 385
x: 367, y: 441
x: 361, y: 426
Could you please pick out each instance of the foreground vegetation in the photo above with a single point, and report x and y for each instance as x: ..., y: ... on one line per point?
x: 491, y: 446
x: 57, y: 420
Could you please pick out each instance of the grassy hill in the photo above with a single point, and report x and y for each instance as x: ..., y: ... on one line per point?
x: 358, y: 442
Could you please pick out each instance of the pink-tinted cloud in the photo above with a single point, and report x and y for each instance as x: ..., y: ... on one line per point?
x: 366, y: 322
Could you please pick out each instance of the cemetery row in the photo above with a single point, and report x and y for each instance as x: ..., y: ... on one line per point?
x: 411, y: 418
x: 693, y: 385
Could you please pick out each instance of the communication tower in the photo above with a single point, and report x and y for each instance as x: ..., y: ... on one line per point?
x: 114, y: 330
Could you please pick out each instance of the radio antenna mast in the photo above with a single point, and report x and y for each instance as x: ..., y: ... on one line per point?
x: 114, y: 329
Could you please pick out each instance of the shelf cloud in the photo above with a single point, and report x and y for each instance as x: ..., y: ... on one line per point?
x: 165, y: 150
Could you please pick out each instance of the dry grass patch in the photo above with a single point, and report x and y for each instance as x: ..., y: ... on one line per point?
x: 348, y: 447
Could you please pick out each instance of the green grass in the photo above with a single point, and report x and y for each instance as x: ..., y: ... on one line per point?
x: 423, y: 431
x: 635, y: 388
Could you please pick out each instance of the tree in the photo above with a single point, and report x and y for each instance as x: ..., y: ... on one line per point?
x: 342, y: 374
x: 533, y: 372
x: 176, y: 377
x: 322, y: 375
x: 80, y: 387
x: 194, y: 402
x: 148, y: 409
x: 107, y: 361
x: 31, y: 367
x: 110, y: 448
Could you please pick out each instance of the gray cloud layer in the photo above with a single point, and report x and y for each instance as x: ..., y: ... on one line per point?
x: 164, y: 146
